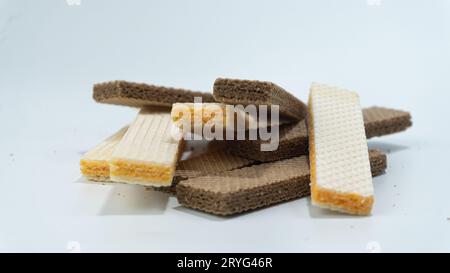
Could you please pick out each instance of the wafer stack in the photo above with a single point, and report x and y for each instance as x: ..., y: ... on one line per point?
x: 320, y: 148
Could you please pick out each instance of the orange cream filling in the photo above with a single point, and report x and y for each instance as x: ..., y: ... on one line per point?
x: 94, y: 168
x: 142, y: 172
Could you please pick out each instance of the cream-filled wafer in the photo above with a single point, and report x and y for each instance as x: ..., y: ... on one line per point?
x: 248, y: 92
x: 221, y: 116
x: 95, y: 163
x: 196, y: 115
x: 149, y: 151
x: 340, y: 169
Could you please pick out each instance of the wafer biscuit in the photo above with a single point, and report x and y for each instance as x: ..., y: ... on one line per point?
x: 339, y: 161
x: 246, y: 92
x: 95, y: 163
x: 141, y: 94
x: 148, y: 152
x: 255, y: 186
x: 214, y: 160
x: 378, y: 121
x: 219, y: 116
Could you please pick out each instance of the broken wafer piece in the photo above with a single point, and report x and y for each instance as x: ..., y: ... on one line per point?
x: 256, y: 186
x: 141, y: 94
x: 195, y: 116
x: 95, y: 163
x: 340, y: 166
x: 149, y: 151
x: 378, y: 121
x: 247, y: 92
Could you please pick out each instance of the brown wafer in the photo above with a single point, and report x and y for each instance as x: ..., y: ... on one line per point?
x: 215, y: 160
x: 378, y: 121
x: 247, y: 92
x: 141, y: 94
x: 256, y: 186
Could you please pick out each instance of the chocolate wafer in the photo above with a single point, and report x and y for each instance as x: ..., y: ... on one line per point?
x: 215, y: 160
x: 247, y: 92
x: 141, y: 94
x: 253, y: 187
x: 378, y: 121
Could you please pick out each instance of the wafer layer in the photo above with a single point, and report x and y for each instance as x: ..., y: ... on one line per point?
x: 213, y: 161
x: 255, y: 186
x: 95, y: 163
x: 246, y: 92
x: 340, y: 166
x: 148, y: 152
x: 378, y: 121
x: 218, y: 116
x: 140, y: 94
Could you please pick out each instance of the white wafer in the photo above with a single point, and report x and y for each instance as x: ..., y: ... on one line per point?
x: 340, y: 167
x: 148, y: 152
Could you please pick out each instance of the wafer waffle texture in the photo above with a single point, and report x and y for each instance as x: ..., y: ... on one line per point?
x: 256, y: 186
x: 339, y: 161
x: 213, y: 161
x: 95, y: 163
x: 149, y: 151
x: 378, y: 121
x: 248, y: 92
x: 141, y: 94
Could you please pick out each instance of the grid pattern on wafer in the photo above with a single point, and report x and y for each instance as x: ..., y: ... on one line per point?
x: 340, y: 147
x: 105, y: 149
x: 247, y: 92
x: 148, y: 152
x: 241, y: 190
x: 378, y: 121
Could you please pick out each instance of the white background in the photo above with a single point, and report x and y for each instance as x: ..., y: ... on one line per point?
x: 395, y: 54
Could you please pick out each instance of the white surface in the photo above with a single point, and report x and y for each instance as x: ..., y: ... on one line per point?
x: 395, y: 55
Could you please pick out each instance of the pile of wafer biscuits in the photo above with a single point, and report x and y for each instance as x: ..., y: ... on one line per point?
x: 321, y: 147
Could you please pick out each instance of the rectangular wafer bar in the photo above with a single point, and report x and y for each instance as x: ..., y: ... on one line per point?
x: 378, y: 121
x: 214, y: 160
x: 247, y: 92
x: 256, y: 186
x: 141, y: 94
x: 95, y: 163
x: 339, y: 161
x: 149, y: 151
